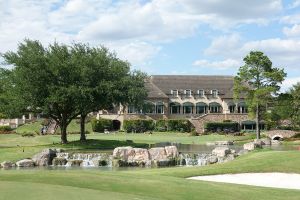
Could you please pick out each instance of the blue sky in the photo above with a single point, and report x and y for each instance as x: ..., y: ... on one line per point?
x: 165, y: 36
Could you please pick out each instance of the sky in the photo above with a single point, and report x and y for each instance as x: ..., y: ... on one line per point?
x: 189, y: 37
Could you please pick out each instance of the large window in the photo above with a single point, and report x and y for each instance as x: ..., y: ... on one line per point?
x: 131, y: 110
x: 159, y: 108
x: 231, y: 107
x: 242, y: 108
x: 215, y: 107
x: 188, y: 108
x: 149, y: 107
x: 201, y: 108
x: 174, y: 108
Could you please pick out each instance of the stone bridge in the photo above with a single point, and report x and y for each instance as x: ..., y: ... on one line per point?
x: 280, y: 134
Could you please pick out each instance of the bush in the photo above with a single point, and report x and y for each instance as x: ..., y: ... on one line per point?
x: 139, y: 125
x: 182, y: 125
x: 101, y: 124
x: 5, y: 128
x: 222, y: 127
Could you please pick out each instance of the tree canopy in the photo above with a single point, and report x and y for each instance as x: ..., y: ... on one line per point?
x: 65, y: 81
x: 257, y: 81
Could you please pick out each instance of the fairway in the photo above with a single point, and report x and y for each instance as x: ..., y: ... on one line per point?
x: 165, y: 183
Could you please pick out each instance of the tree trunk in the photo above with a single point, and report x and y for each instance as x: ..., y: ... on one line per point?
x: 63, y: 128
x: 257, y: 122
x: 82, y: 127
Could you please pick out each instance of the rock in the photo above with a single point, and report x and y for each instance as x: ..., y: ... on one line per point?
x: 242, y: 152
x: 141, y: 155
x: 44, y: 158
x: 7, y: 164
x: 251, y: 146
x: 158, y: 153
x: 101, y: 162
x: 163, y: 163
x: 59, y: 150
x: 221, y: 151
x: 263, y: 141
x: 223, y: 143
x: 74, y: 163
x: 123, y: 153
x: 229, y: 157
x: 59, y: 161
x: 171, y: 151
x: 232, y: 151
x: 210, y: 144
x: 25, y: 163
x: 212, y: 159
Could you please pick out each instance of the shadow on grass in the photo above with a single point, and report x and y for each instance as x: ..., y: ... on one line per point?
x: 102, y: 144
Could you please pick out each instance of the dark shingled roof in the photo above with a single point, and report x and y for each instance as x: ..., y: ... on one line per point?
x: 153, y: 90
x: 166, y: 83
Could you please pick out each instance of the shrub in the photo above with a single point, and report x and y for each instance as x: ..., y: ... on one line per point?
x: 161, y: 125
x: 182, y: 125
x: 221, y: 127
x: 101, y: 124
x: 5, y: 128
x: 139, y: 125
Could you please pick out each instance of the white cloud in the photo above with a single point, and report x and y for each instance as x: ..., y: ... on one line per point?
x: 221, y: 65
x: 293, y: 31
x: 291, y: 19
x: 295, y: 4
x: 283, y: 52
x: 288, y: 83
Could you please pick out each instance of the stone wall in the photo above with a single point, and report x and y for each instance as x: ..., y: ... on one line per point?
x: 200, y: 121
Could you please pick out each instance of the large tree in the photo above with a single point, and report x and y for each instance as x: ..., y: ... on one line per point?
x: 67, y: 81
x: 295, y: 114
x: 258, y: 81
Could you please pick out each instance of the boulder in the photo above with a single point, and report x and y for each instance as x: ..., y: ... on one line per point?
x: 44, y: 158
x: 221, y: 151
x: 252, y: 145
x: 25, y: 163
x: 158, y: 153
x: 123, y: 153
x: 141, y: 155
x: 171, y: 151
x: 59, y: 161
x: 212, y: 159
x: 7, y: 164
x: 263, y: 141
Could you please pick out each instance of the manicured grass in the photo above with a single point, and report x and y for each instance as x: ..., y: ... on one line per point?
x: 168, y: 183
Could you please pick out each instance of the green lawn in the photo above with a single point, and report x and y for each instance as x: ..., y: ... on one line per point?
x: 165, y: 183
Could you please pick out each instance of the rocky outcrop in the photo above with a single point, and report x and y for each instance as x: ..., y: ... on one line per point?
x: 221, y: 151
x: 45, y: 157
x: 59, y: 161
x: 7, y: 164
x: 158, y: 156
x: 25, y: 163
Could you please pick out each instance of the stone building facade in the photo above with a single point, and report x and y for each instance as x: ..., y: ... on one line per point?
x: 194, y: 97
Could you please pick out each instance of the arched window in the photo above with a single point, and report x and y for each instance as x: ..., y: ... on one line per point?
x: 149, y: 107
x: 175, y: 108
x: 159, y: 107
x: 242, y: 107
x: 201, y: 108
x: 231, y: 107
x: 188, y: 108
x: 215, y: 107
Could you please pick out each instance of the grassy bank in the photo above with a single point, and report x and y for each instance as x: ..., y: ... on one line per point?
x: 150, y: 184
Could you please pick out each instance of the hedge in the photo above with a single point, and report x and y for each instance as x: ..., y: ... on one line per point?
x: 221, y: 127
x: 5, y: 129
x: 101, y: 124
x: 139, y: 125
x: 182, y: 125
